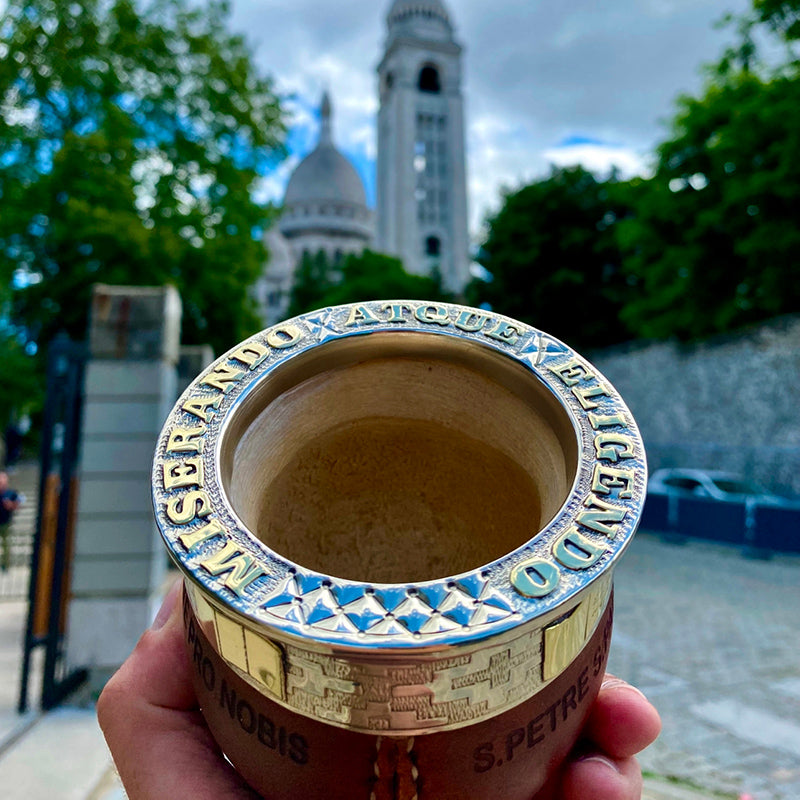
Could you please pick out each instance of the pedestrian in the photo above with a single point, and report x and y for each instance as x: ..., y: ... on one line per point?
x: 13, y: 437
x: 10, y: 501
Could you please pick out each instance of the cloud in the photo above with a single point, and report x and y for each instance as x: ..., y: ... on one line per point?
x: 597, y: 79
x: 598, y: 157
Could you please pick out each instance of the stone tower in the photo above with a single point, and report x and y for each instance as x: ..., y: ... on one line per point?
x: 421, y: 186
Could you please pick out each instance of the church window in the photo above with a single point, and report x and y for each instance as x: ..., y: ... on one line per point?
x: 433, y: 246
x: 429, y: 80
x: 389, y: 80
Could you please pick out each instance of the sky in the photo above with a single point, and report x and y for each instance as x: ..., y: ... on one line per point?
x: 545, y: 81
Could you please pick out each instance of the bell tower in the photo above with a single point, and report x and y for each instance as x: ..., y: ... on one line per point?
x: 421, y: 187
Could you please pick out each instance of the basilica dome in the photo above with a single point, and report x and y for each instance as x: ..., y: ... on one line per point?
x: 325, y: 192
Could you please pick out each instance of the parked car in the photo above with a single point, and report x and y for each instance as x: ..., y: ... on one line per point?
x: 712, y: 485
x: 720, y: 507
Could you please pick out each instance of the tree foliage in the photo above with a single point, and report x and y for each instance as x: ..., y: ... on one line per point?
x: 714, y: 242
x: 553, y: 259
x: 131, y: 135
x: 707, y: 244
x: 369, y: 276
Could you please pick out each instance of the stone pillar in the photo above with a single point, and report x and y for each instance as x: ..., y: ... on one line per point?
x: 119, y: 562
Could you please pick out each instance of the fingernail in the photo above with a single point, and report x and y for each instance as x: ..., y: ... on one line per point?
x: 618, y: 683
x: 598, y: 759
x: 167, y: 606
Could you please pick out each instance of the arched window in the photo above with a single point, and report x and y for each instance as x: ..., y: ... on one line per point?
x: 429, y: 80
x: 433, y: 246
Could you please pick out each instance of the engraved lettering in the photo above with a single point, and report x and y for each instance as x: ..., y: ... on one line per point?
x: 397, y: 310
x: 266, y: 731
x: 514, y: 740
x: 583, y: 683
x: 432, y: 315
x: 360, y: 314
x: 298, y: 748
x: 600, y: 512
x: 613, y: 446
x: 586, y: 393
x: 208, y: 674
x: 202, y: 405
x: 246, y: 717
x: 184, y: 509
x: 568, y: 702
x: 209, y: 531
x: 575, y: 551
x: 572, y: 373
x: 223, y: 377
x: 535, y: 577
x: 612, y: 480
x: 251, y: 354
x: 535, y: 734
x: 471, y: 321
x: 270, y: 735
x: 547, y: 722
x: 186, y: 440
x: 551, y: 712
x: 606, y: 420
x: 483, y: 757
x: 505, y: 332
x: 240, y: 569
x: 179, y: 474
x: 227, y: 698
x: 284, y: 336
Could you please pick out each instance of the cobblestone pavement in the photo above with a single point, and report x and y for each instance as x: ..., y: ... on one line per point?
x: 713, y: 639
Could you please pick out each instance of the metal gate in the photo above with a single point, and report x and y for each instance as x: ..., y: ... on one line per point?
x: 52, y: 546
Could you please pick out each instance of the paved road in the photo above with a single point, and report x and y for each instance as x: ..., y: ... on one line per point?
x: 714, y: 640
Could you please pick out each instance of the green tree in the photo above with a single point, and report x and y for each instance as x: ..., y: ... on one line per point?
x: 21, y: 380
x: 131, y: 135
x: 369, y: 276
x: 553, y: 259
x: 312, y: 280
x: 714, y: 243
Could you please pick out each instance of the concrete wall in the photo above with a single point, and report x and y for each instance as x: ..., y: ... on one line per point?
x: 730, y: 403
x: 119, y: 561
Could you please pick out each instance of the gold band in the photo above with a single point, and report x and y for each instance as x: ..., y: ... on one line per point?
x: 417, y: 694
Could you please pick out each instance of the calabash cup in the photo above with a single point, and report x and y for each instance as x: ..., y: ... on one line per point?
x: 397, y: 523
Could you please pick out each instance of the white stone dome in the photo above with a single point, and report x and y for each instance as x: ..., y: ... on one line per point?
x: 325, y: 193
x: 325, y: 174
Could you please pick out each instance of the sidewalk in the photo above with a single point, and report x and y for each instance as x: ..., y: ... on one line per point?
x: 711, y: 637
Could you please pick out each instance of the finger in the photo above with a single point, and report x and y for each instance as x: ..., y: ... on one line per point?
x: 150, y: 718
x: 599, y: 777
x: 622, y: 721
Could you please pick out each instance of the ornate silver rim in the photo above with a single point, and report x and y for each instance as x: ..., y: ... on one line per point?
x: 290, y: 607
x: 586, y: 536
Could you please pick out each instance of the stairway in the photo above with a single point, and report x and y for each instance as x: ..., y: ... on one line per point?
x: 14, y: 581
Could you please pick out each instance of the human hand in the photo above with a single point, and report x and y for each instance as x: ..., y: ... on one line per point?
x: 163, y: 749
